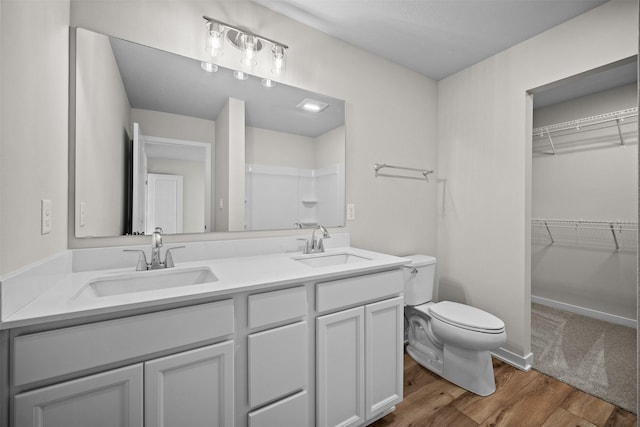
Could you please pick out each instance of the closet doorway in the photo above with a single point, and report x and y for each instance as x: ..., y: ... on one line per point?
x: 584, y: 232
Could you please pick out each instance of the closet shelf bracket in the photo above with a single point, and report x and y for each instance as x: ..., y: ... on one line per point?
x: 553, y: 147
x: 615, y: 238
x: 620, y: 131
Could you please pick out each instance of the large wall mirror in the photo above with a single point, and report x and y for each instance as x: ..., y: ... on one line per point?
x: 162, y: 142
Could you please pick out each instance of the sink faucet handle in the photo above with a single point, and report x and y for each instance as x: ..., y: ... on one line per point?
x: 142, y: 259
x: 305, y: 250
x: 168, y: 257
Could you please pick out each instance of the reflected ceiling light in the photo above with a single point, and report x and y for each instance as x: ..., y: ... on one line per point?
x: 312, y: 105
x: 209, y: 67
x: 240, y: 75
x: 248, y: 43
x: 268, y: 83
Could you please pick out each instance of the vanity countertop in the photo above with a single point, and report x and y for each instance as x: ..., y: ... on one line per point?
x: 60, y: 301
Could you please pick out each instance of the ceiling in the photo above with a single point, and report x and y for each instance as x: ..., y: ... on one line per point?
x: 435, y: 38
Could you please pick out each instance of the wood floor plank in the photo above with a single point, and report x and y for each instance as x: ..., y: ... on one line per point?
x: 449, y: 416
x: 415, y: 376
x: 621, y: 418
x: 521, y: 399
x: 423, y: 403
x: 588, y: 407
x: 508, y: 381
x: 562, y: 417
x: 532, y: 405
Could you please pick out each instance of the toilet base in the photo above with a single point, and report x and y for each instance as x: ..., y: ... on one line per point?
x: 471, y: 370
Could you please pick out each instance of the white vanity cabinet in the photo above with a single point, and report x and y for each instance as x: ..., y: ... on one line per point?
x: 189, y: 387
x: 359, y: 350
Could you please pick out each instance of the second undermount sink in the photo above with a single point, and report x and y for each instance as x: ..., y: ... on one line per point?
x: 151, y: 280
x: 330, y: 259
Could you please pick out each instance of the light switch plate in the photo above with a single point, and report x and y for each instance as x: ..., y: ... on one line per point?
x: 45, y: 216
x: 351, y: 211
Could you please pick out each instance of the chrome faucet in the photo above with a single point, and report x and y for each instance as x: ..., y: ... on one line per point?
x: 318, y: 245
x: 156, y: 262
x: 156, y: 244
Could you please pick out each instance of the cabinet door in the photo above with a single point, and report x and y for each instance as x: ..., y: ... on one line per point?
x: 193, y: 388
x: 109, y: 399
x: 340, y: 368
x: 384, y: 323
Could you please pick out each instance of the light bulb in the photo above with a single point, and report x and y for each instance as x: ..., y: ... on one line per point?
x: 249, y: 45
x: 268, y: 83
x: 215, y: 38
x: 277, y: 60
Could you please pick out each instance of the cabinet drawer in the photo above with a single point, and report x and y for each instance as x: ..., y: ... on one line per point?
x: 293, y: 411
x: 278, y: 363
x: 277, y: 306
x: 50, y: 354
x: 358, y: 290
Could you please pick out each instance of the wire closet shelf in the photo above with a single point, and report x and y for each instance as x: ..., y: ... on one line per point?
x: 615, y: 118
x: 616, y: 229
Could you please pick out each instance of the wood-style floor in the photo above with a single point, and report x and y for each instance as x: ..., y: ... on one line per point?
x: 521, y: 399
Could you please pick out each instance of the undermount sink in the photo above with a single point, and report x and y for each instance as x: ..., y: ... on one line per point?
x: 151, y: 280
x: 328, y: 260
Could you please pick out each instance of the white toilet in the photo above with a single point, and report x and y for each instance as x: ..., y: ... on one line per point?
x: 451, y: 339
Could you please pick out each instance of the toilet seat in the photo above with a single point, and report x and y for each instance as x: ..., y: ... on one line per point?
x: 465, y: 317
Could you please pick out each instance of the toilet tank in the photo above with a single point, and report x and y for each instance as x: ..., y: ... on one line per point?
x: 419, y: 275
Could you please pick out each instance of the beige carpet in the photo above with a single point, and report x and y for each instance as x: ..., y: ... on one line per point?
x: 594, y: 356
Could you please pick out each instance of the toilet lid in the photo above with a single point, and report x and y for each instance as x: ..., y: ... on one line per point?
x: 467, y: 317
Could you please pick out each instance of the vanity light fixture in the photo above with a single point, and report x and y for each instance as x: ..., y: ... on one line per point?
x: 311, y: 105
x: 247, y: 42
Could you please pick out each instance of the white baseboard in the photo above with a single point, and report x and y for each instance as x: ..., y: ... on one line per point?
x: 595, y: 314
x: 523, y: 363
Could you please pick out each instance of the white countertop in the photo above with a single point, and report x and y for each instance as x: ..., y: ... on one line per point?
x: 60, y: 300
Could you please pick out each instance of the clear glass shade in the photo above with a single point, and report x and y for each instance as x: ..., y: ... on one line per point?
x: 215, y: 39
x: 249, y: 46
x: 278, y: 62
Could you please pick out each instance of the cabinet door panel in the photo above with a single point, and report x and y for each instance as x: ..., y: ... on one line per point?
x: 340, y: 368
x: 193, y: 388
x: 278, y: 363
x: 109, y: 399
x: 384, y: 323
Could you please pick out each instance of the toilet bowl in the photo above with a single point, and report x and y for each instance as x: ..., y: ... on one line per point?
x: 451, y: 339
